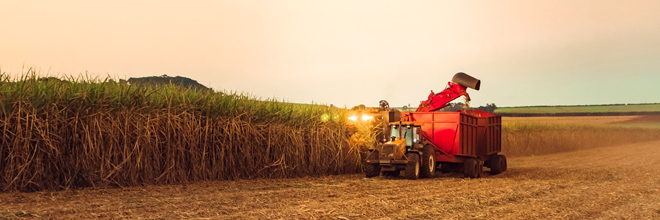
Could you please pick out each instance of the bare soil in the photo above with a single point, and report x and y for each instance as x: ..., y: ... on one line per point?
x: 611, y: 183
x: 645, y: 119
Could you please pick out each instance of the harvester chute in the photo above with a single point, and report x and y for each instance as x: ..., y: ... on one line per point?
x: 456, y: 88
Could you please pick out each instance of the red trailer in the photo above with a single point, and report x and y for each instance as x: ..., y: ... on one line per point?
x: 466, y: 140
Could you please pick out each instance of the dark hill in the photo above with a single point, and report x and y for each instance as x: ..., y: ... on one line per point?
x: 164, y: 80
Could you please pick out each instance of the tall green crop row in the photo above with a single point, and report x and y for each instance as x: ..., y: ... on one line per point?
x: 86, y: 132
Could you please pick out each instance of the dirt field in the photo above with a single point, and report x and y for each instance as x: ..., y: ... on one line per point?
x: 583, y: 120
x: 613, y: 182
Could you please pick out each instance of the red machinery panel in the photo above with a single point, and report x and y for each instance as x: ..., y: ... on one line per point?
x: 464, y: 133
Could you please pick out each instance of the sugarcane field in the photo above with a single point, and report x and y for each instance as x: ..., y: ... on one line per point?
x: 329, y: 110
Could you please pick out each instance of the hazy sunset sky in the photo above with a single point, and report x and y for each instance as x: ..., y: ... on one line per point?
x: 352, y: 52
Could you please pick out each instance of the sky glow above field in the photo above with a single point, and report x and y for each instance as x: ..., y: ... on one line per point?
x: 352, y: 52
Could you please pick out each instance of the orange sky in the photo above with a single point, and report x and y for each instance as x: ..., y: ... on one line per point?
x: 352, y: 52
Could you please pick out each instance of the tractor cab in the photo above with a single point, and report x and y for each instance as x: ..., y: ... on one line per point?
x: 405, y: 132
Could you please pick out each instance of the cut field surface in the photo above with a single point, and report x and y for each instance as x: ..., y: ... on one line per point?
x: 582, y: 120
x: 649, y: 121
x: 613, y: 182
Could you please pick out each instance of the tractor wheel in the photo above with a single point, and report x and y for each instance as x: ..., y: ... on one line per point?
x: 428, y: 162
x: 470, y: 168
x: 496, y: 164
x: 372, y: 169
x: 413, y: 166
x: 391, y: 173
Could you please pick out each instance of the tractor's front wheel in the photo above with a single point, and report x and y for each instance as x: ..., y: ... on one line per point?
x: 413, y: 166
x: 372, y: 169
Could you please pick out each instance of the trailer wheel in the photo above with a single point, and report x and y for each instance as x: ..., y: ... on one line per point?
x: 497, y: 164
x: 470, y: 168
x: 503, y: 162
x: 428, y: 162
x: 480, y: 168
x: 372, y: 169
x: 412, y: 168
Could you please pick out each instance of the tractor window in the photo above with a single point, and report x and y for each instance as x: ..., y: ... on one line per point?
x: 416, y: 131
x: 408, y: 135
x: 394, y: 132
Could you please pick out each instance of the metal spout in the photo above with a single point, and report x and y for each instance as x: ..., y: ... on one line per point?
x: 466, y: 80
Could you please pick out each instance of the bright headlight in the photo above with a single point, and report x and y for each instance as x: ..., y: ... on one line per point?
x: 367, y: 117
x: 353, y: 118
